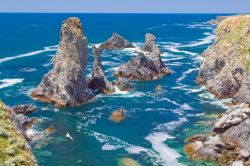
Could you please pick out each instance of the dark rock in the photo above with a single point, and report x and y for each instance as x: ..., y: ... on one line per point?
x: 23, y: 109
x: 116, y: 42
x: 65, y: 84
x: 98, y: 81
x: 123, y: 84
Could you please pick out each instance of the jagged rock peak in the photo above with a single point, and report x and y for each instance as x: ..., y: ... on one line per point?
x: 98, y: 81
x: 65, y: 84
x: 116, y: 42
x: 149, y: 42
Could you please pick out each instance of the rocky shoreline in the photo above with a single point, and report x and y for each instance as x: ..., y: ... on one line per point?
x: 225, y: 73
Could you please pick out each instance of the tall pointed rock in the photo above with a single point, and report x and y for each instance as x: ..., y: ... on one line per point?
x: 65, y: 84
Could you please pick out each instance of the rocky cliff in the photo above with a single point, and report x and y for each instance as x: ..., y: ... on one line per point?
x: 225, y: 70
x: 116, y: 42
x: 98, y: 81
x: 14, y: 149
x: 65, y: 84
x: 229, y: 142
x: 145, y: 67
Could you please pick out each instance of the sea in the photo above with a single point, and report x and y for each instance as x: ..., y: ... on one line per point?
x: 157, y: 124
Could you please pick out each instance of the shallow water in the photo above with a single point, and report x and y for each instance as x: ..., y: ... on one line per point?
x: 157, y: 124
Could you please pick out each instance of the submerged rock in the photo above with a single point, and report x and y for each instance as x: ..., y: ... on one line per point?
x: 116, y: 42
x: 229, y: 141
x: 225, y: 70
x: 23, y: 109
x: 149, y: 42
x: 65, y: 84
x: 123, y: 84
x: 98, y: 81
x: 118, y: 115
x: 128, y: 162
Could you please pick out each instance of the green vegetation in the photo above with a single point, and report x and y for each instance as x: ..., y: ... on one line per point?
x: 14, y: 150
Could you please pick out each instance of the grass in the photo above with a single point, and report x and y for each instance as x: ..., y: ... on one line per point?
x: 14, y: 149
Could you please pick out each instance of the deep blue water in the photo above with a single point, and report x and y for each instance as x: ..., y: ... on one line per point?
x: 157, y: 124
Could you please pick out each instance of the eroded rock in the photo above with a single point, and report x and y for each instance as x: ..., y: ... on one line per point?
x: 23, y: 109
x: 118, y: 115
x: 65, y: 84
x: 123, y: 84
x: 116, y: 42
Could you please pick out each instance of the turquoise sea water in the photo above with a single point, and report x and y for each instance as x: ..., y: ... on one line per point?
x: 157, y: 124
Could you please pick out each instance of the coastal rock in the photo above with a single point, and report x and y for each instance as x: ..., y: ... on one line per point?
x: 144, y: 67
x: 225, y: 70
x: 229, y: 141
x: 118, y: 115
x: 116, y: 42
x: 149, y: 42
x: 65, y: 84
x: 218, y: 20
x: 15, y: 149
x: 123, y: 84
x: 23, y: 109
x: 98, y: 81
x: 128, y: 162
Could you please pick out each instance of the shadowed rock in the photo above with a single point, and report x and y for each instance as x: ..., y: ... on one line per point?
x: 65, y: 84
x: 98, y: 81
x: 23, y: 109
x: 123, y: 84
x: 116, y: 42
x: 144, y: 67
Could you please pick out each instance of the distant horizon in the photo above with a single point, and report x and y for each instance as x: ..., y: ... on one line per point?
x: 126, y: 6
x: 106, y: 13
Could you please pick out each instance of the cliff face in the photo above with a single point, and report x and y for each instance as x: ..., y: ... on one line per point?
x: 225, y: 70
x: 65, y: 84
x: 14, y: 149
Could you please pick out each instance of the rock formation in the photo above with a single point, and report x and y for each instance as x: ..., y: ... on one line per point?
x: 23, y: 109
x: 149, y: 42
x: 123, y: 84
x: 116, y: 42
x: 98, y: 81
x: 225, y: 70
x: 144, y: 67
x: 230, y: 140
x: 218, y: 20
x: 65, y: 84
x: 15, y: 150
x: 118, y: 115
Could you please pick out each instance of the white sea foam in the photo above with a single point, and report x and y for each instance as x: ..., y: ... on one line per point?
x: 201, y: 25
x: 185, y: 106
x: 206, y: 40
x: 9, y: 82
x: 108, y: 147
x: 168, y: 156
x: 184, y: 74
x: 171, y: 126
x: 46, y: 49
x: 174, y: 48
x: 28, y: 70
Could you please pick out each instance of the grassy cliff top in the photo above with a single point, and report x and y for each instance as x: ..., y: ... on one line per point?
x: 14, y: 149
x: 233, y: 32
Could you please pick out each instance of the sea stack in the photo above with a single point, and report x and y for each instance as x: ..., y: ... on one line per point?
x: 225, y: 70
x: 116, y: 42
x: 98, y: 81
x: 149, y: 42
x: 144, y: 67
x: 65, y: 84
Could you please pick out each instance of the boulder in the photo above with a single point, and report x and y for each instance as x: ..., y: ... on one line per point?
x: 116, y: 42
x: 23, y: 109
x: 123, y: 84
x: 98, y: 82
x: 118, y: 115
x: 65, y: 84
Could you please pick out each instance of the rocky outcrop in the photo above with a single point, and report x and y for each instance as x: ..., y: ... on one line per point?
x: 23, y: 109
x: 218, y: 20
x: 65, y: 84
x: 15, y: 150
x: 230, y: 140
x: 144, y: 67
x: 118, y: 115
x: 116, y: 42
x: 98, y: 82
x: 225, y: 70
x: 149, y: 43
x: 123, y: 84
